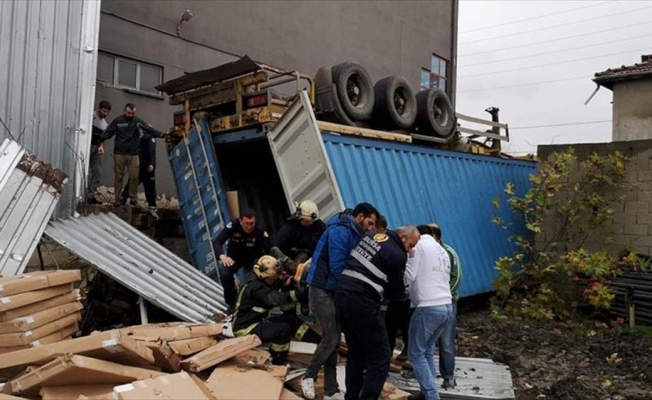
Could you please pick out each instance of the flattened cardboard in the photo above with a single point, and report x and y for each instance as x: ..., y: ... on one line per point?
x: 223, y: 350
x: 58, y: 336
x: 285, y: 395
x: 188, y: 347
x: 37, y: 280
x: 179, y: 386
x: 22, y: 299
x: 255, y: 356
x: 255, y: 384
x: 109, y: 345
x: 72, y: 392
x: 30, y: 309
x: 164, y: 357
x: 25, y: 338
x: 173, y: 331
x: 29, y: 322
x: 72, y: 369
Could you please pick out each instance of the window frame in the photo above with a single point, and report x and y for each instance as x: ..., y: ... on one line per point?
x: 436, y: 76
x: 116, y: 73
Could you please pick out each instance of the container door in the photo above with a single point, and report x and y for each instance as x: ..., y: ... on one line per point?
x: 201, y: 194
x: 301, y: 159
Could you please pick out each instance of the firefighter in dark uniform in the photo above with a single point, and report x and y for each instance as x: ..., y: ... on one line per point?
x: 373, y: 273
x: 298, y: 238
x: 247, y: 243
x: 257, y: 297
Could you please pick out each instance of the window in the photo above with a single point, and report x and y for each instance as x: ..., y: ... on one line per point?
x: 436, y: 75
x: 130, y: 74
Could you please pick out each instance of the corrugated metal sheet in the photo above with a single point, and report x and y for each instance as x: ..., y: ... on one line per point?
x: 416, y: 184
x: 201, y: 196
x: 47, y: 78
x: 29, y: 192
x: 301, y: 159
x: 142, y: 265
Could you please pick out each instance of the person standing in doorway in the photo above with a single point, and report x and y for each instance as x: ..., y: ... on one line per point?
x: 97, y: 150
x: 128, y: 129
x: 343, y: 231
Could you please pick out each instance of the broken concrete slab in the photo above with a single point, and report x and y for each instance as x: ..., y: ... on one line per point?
x: 222, y: 351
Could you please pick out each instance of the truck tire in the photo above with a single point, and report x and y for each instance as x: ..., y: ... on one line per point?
x: 355, y: 90
x: 395, y: 105
x: 435, y: 116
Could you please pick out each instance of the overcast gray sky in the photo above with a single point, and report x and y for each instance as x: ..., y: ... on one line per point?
x: 535, y: 60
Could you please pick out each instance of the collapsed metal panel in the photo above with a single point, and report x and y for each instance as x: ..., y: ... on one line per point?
x: 412, y: 184
x: 201, y: 196
x: 29, y: 192
x: 141, y: 264
x: 301, y: 159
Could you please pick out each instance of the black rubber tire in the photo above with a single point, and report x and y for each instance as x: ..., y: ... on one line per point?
x: 395, y: 105
x: 355, y: 90
x: 435, y: 116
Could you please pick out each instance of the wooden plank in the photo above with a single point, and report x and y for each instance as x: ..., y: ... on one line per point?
x: 356, y: 131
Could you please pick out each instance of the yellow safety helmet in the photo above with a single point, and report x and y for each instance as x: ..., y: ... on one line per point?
x: 307, y: 209
x: 267, y: 267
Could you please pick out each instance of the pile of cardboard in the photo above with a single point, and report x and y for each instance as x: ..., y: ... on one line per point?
x: 174, y: 360
x: 38, y: 308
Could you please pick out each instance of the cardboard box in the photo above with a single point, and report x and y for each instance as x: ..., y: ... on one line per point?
x: 188, y: 347
x: 27, y: 337
x: 57, y: 336
x: 22, y: 299
x: 285, y: 395
x: 72, y: 392
x: 37, y: 280
x: 179, y: 386
x: 72, y: 369
x: 29, y: 322
x: 164, y: 357
x: 171, y: 332
x: 109, y: 345
x: 223, y: 350
x: 30, y: 309
x: 254, y: 384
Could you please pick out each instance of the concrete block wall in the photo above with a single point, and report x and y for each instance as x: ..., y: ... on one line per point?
x: 631, y: 225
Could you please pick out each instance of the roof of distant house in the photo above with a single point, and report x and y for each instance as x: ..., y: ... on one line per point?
x: 626, y: 72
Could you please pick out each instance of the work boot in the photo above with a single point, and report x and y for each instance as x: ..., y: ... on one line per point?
x: 308, y: 388
x: 449, y: 383
x: 418, y: 396
x: 339, y: 395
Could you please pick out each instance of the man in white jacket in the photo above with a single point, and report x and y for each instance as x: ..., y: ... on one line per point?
x: 428, y: 275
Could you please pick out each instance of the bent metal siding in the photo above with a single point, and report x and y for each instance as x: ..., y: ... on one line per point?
x: 29, y: 192
x: 413, y: 184
x: 48, y: 53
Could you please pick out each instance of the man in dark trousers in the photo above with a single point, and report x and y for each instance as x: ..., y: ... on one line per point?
x: 97, y: 150
x: 373, y: 273
x: 146, y: 174
x: 127, y: 129
x: 247, y: 243
x: 256, y: 298
x: 298, y: 238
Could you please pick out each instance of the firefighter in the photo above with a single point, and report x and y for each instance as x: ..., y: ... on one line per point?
x: 298, y: 238
x: 257, y: 297
x: 247, y: 243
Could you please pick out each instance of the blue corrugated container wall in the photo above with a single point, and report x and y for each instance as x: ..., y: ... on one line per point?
x: 416, y: 185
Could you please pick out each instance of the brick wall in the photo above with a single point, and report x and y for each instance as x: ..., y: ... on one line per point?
x: 632, y: 221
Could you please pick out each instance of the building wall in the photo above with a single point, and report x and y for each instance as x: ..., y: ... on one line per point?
x: 387, y: 37
x: 632, y: 110
x: 632, y: 221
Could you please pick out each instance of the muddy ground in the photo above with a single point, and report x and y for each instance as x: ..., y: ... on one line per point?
x: 553, y: 361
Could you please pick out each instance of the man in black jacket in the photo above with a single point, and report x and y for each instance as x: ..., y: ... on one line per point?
x: 299, y: 236
x: 373, y: 272
x: 128, y: 130
x: 146, y: 174
x: 257, y: 297
x: 247, y: 243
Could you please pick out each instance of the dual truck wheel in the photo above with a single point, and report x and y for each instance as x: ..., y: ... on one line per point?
x: 390, y: 104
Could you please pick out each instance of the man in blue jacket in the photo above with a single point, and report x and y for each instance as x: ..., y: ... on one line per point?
x: 343, y: 231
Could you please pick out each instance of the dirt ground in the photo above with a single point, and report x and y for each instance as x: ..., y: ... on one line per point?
x: 553, y: 361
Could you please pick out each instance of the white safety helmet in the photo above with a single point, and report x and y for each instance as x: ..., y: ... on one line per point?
x: 307, y: 209
x: 267, y: 267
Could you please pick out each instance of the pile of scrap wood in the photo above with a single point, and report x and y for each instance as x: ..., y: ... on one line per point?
x: 38, y: 308
x: 174, y: 360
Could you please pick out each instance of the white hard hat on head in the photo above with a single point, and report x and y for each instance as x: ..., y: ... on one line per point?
x: 267, y: 267
x: 307, y: 209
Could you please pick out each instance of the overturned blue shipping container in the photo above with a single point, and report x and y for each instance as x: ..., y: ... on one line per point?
x: 296, y: 160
